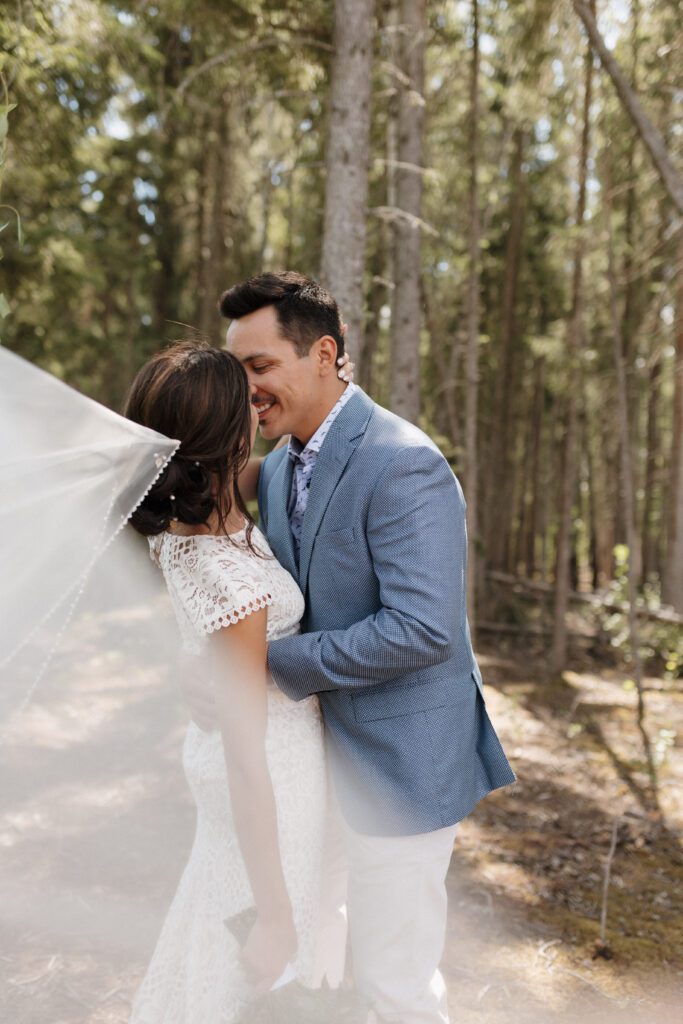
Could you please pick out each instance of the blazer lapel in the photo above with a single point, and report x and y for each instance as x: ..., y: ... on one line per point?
x: 279, y: 530
x: 337, y: 449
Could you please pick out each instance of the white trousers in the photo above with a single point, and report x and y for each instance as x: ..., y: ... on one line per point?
x: 397, y: 907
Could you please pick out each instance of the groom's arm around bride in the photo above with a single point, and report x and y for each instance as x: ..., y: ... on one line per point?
x: 386, y: 643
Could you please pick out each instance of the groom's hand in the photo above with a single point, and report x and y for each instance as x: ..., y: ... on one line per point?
x: 196, y: 687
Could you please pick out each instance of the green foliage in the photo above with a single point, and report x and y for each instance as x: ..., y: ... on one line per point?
x: 661, y: 642
x: 159, y: 152
x: 5, y: 109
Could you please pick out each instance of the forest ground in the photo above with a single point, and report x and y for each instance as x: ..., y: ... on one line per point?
x: 97, y: 825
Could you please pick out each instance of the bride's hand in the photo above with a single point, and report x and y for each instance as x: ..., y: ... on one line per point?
x: 270, y: 947
x: 346, y: 367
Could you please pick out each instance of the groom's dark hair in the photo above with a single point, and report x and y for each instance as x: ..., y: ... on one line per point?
x: 305, y: 310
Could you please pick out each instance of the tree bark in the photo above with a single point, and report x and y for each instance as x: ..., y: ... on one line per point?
x: 671, y: 177
x: 627, y: 475
x: 406, y: 312
x: 167, y: 229
x: 500, y: 481
x: 558, y: 655
x: 472, y: 351
x: 529, y: 511
x: 346, y: 192
x: 213, y: 253
x: 650, y: 532
x: 673, y: 572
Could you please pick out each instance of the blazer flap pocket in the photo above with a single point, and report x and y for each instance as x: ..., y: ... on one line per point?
x: 394, y: 701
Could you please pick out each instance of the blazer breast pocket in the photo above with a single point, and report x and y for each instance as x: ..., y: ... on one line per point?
x: 336, y: 538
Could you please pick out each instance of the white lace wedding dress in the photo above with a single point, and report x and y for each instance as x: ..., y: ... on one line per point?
x: 194, y: 976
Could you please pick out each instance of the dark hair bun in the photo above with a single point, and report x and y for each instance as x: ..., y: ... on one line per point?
x: 200, y: 395
x: 183, y: 491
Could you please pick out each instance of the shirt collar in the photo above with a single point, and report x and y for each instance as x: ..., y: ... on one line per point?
x: 298, y: 451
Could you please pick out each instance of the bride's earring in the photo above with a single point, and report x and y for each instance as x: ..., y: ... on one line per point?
x: 174, y: 517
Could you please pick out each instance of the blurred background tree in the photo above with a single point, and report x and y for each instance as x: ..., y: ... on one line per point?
x: 160, y: 152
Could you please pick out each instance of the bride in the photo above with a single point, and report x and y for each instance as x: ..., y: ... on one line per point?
x: 259, y: 782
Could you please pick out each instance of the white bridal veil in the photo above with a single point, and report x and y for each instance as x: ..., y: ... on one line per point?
x: 89, y: 713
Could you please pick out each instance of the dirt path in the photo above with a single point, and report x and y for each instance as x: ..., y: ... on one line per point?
x: 97, y: 823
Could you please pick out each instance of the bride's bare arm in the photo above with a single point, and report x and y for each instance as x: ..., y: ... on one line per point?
x: 240, y: 675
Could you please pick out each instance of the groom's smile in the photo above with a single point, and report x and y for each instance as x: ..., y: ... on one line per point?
x: 263, y: 405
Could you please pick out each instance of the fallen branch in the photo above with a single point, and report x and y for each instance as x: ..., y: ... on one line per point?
x: 657, y: 615
x: 602, y: 947
x: 520, y: 629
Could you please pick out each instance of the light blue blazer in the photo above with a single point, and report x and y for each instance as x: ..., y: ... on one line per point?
x: 385, y: 640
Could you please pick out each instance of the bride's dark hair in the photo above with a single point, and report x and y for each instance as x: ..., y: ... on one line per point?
x: 200, y: 396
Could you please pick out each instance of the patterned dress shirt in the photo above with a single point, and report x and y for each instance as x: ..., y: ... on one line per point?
x: 304, y: 460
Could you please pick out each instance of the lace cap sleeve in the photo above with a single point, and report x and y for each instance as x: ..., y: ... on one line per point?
x: 220, y: 586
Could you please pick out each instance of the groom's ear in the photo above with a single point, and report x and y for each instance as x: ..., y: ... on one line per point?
x: 324, y: 353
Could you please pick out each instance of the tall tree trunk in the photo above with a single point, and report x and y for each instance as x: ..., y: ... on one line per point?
x: 346, y: 192
x: 650, y: 530
x: 670, y: 175
x: 627, y: 475
x: 406, y: 318
x: 654, y: 523
x: 472, y: 352
x: 378, y: 296
x: 499, y: 487
x: 266, y: 209
x: 167, y: 229
x: 528, y: 514
x: 558, y: 655
x: 213, y: 256
x: 592, y: 514
x: 537, y: 436
x: 673, y: 571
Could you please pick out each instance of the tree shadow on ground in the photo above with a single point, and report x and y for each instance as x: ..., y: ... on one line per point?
x: 556, y: 822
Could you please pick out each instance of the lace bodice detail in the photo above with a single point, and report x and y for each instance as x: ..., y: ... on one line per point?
x: 216, y: 581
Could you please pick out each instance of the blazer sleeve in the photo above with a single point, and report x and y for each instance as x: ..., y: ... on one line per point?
x: 417, y: 537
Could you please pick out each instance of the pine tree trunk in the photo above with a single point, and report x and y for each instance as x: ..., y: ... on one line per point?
x: 673, y: 566
x: 167, y: 229
x: 558, y: 655
x: 529, y: 553
x: 627, y: 475
x: 366, y: 378
x: 213, y: 257
x: 346, y: 192
x: 472, y: 352
x: 650, y: 531
x: 654, y: 521
x: 500, y: 481
x: 406, y: 313
x: 592, y: 509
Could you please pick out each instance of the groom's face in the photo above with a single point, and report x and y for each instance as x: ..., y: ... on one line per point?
x: 285, y: 386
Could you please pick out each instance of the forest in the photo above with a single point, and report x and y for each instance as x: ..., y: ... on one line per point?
x: 493, y: 191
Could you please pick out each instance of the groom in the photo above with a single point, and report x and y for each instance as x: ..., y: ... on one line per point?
x: 364, y: 512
